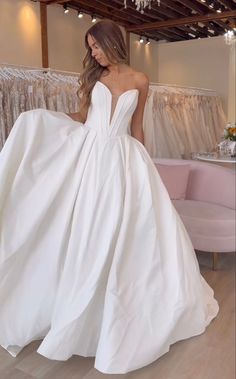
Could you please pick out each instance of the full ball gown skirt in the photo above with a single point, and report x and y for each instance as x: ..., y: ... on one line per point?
x: 94, y: 259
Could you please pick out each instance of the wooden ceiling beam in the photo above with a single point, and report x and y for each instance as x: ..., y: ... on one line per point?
x: 201, y: 8
x: 194, y: 6
x: 219, y: 23
x: 151, y: 14
x: 184, y: 12
x: 99, y: 9
x: 165, y: 11
x: 198, y: 31
x: 228, y: 3
x: 92, y: 7
x: 172, y: 20
x: 178, y: 32
x: 173, y: 35
x: 169, y: 35
x: 131, y: 14
x: 131, y: 11
x: 172, y: 5
x: 183, y: 21
x: 182, y: 30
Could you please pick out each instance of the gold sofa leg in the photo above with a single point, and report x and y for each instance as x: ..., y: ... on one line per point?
x: 215, y: 261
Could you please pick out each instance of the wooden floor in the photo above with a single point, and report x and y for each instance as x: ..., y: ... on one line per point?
x: 209, y: 356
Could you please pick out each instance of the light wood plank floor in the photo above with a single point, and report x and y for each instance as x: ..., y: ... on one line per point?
x: 209, y: 356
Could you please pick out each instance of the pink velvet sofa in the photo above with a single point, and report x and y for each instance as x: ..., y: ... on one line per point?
x: 204, y: 196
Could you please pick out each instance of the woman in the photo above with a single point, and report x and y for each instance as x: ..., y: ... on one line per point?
x: 111, y: 70
x: 94, y: 259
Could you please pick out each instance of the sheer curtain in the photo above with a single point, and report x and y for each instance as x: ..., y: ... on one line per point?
x: 179, y: 121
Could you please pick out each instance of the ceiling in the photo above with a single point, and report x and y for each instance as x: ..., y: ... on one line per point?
x: 171, y: 21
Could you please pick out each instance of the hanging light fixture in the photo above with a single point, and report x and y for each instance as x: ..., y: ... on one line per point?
x: 141, y: 4
x: 230, y: 37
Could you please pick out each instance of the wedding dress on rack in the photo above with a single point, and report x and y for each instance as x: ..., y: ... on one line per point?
x: 22, y: 90
x: 94, y: 259
x: 179, y: 121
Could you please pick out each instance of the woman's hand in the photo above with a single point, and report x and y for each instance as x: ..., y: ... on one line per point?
x: 75, y: 116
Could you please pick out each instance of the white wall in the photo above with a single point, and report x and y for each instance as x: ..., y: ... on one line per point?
x: 200, y: 63
x: 20, y: 32
x: 66, y: 38
x: 203, y: 63
x: 144, y: 57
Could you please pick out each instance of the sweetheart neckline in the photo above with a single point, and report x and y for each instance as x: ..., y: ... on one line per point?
x: 123, y: 93
x: 111, y: 116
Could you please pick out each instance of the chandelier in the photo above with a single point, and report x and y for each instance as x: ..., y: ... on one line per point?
x: 141, y: 4
x: 230, y: 37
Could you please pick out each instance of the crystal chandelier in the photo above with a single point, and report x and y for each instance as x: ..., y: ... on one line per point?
x: 230, y: 37
x: 141, y: 4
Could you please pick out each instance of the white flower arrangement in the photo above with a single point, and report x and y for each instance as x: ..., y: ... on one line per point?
x: 230, y: 131
x: 227, y: 147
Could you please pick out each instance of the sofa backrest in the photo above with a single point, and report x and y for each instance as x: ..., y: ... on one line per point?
x: 208, y: 182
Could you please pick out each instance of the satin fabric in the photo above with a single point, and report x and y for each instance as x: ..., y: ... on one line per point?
x: 94, y: 259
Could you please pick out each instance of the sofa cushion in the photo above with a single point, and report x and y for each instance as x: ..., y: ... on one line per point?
x: 175, y: 179
x: 211, y: 227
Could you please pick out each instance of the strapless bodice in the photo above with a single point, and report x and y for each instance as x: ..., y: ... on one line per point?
x: 100, y: 115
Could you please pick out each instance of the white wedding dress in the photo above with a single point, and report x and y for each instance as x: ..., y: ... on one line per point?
x: 94, y: 259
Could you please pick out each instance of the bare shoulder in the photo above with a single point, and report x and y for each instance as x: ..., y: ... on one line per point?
x: 141, y: 80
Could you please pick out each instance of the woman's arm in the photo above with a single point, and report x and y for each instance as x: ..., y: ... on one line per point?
x: 80, y: 116
x: 142, y: 84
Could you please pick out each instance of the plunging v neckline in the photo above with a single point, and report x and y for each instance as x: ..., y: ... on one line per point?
x: 132, y: 89
x: 111, y: 114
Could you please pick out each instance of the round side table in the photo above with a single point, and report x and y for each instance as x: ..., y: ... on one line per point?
x: 214, y: 158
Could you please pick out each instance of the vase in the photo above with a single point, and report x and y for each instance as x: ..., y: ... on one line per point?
x: 227, y: 148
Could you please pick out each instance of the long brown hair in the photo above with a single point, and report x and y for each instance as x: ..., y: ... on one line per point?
x: 109, y: 37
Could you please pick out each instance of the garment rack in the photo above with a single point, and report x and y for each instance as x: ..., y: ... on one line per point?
x: 48, y: 69
x: 184, y: 87
x: 30, y: 68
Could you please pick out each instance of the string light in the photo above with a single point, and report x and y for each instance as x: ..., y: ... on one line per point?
x: 148, y: 41
x: 141, y: 40
x: 94, y: 19
x: 80, y: 15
